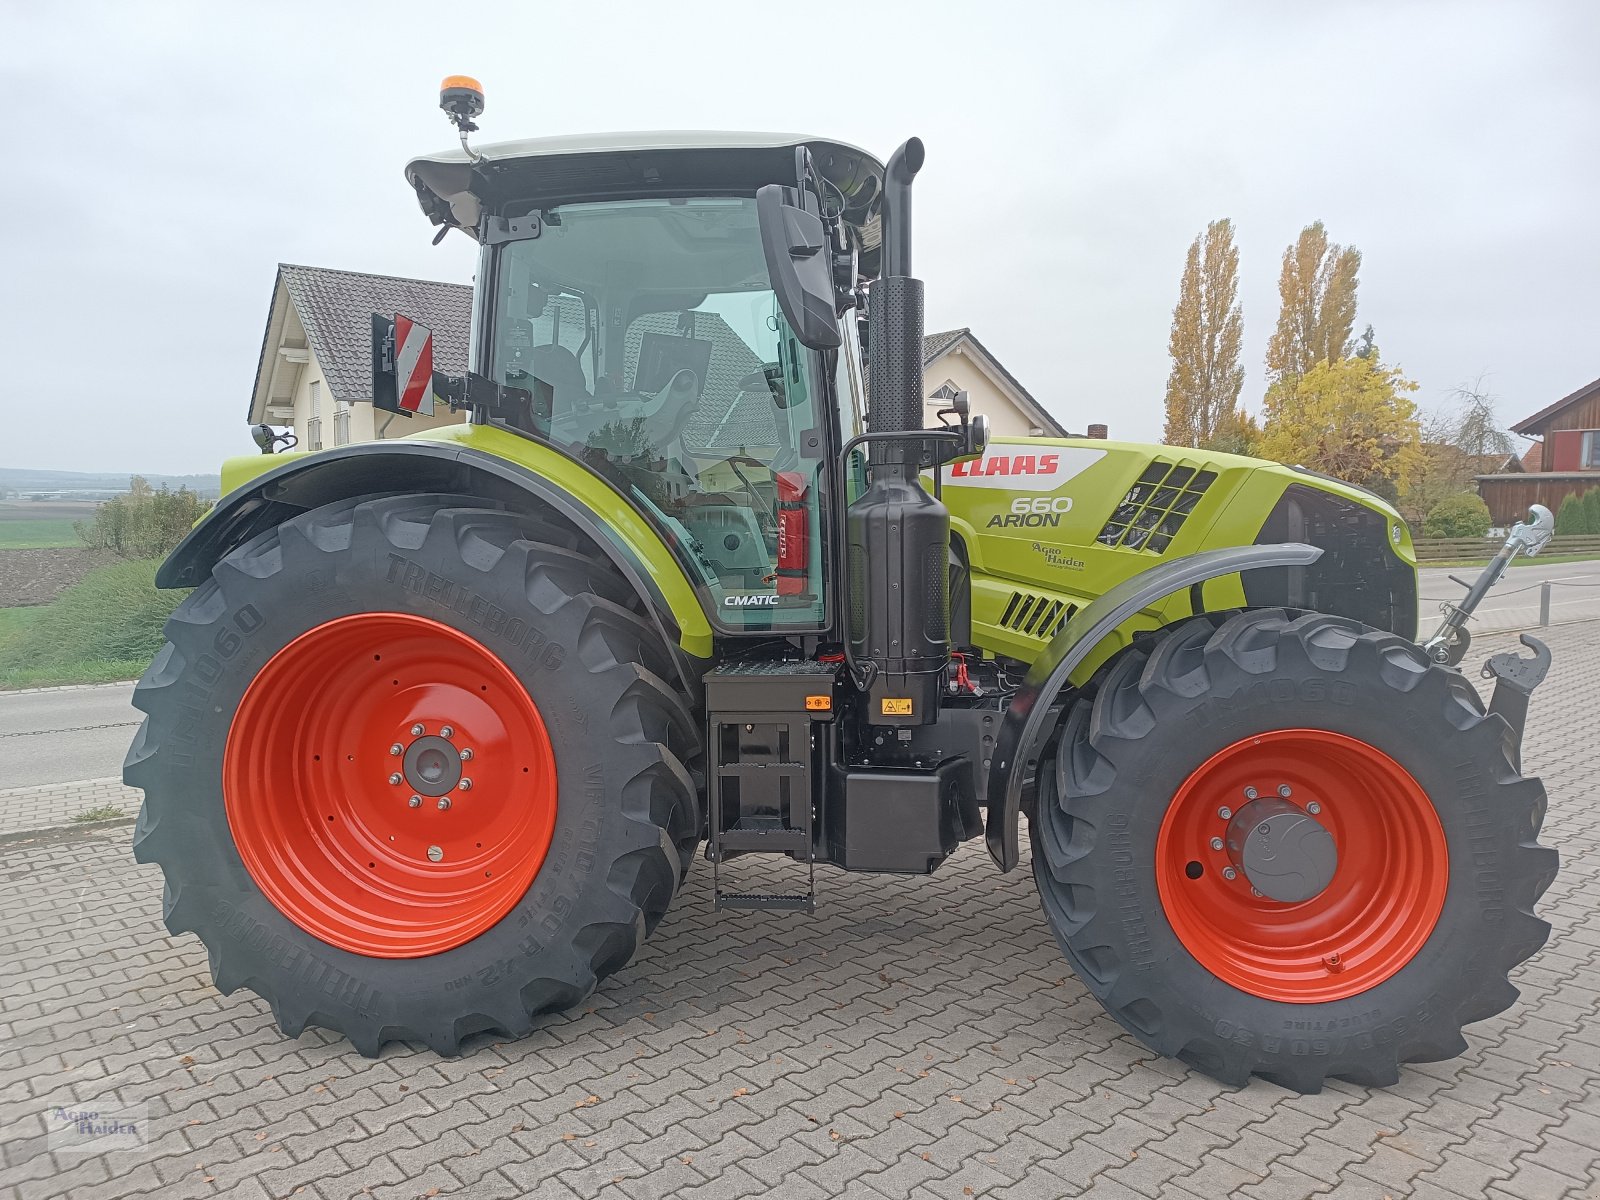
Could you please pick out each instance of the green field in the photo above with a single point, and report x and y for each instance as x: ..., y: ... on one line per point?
x: 105, y: 628
x: 36, y: 533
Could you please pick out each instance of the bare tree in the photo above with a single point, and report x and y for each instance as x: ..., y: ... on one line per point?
x: 1477, y: 432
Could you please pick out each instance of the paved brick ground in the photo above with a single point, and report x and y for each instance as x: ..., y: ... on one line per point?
x: 47, y: 806
x: 918, y: 1038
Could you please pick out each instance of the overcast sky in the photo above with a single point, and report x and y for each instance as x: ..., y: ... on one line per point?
x: 161, y: 159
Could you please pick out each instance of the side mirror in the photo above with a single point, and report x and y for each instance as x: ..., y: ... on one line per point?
x: 799, y: 264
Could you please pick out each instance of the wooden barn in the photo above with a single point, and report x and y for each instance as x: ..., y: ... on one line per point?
x: 1565, y: 459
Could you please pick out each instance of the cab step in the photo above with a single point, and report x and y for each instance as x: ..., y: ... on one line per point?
x: 762, y: 743
x: 798, y: 902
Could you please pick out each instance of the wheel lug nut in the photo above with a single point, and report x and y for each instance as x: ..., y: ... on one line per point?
x: 1256, y: 892
x: 447, y: 731
x: 414, y: 802
x: 1313, y: 808
x: 465, y: 785
x: 1224, y: 812
x: 397, y: 749
x: 435, y: 853
x: 418, y: 729
x: 1250, y: 793
x: 1216, y: 843
x: 395, y: 778
x: 1229, y: 873
x: 1285, y: 790
x: 466, y: 754
x: 444, y: 803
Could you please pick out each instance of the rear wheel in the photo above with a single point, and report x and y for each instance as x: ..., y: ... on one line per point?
x: 1288, y: 845
x: 412, y: 770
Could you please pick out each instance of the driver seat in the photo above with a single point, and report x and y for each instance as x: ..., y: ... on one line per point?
x: 559, y: 367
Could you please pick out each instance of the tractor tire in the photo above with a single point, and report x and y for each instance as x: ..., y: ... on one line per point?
x: 1408, y: 901
x: 413, y: 771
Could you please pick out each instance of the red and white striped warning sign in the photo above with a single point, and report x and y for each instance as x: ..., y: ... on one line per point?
x: 413, y: 365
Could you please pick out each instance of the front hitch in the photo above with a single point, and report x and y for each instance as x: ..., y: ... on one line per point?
x: 1449, y: 643
x: 1515, y: 677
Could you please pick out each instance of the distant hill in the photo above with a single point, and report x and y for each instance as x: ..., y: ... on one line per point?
x: 21, y: 483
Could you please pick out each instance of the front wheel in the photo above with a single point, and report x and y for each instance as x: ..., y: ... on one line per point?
x: 1289, y: 845
x: 412, y: 770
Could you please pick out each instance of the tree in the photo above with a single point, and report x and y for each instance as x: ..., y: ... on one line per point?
x: 1366, y: 346
x: 145, y: 523
x: 1317, y: 290
x: 1570, y: 517
x: 1459, y: 516
x: 1457, y: 444
x: 1207, y: 326
x: 1477, y: 432
x: 1237, y: 434
x: 1350, y: 418
x: 1591, y: 509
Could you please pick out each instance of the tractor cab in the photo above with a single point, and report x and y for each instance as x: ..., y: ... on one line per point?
x: 628, y: 315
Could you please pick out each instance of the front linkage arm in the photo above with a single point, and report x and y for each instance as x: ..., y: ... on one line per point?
x: 1449, y: 642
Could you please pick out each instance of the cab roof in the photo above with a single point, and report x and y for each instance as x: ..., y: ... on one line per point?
x: 455, y: 190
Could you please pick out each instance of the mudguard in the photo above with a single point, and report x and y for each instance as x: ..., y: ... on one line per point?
x: 1028, y: 721
x: 419, y: 465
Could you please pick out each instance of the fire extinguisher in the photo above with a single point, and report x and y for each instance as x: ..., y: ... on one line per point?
x: 794, y: 534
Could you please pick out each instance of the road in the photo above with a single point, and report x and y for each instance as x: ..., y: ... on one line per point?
x: 64, y: 734
x: 67, y: 734
x: 1514, y: 602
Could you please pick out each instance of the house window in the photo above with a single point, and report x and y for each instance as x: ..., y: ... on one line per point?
x: 1590, y: 459
x: 341, y: 423
x: 314, y: 419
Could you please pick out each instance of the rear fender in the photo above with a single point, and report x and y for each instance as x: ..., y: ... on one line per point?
x: 1029, y: 720
x: 578, y: 498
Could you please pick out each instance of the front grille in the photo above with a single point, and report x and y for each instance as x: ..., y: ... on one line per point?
x: 1156, y: 507
x: 1037, y: 616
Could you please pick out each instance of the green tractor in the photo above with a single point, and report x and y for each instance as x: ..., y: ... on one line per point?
x: 442, y: 726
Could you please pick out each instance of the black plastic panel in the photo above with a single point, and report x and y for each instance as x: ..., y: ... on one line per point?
x: 1358, y: 576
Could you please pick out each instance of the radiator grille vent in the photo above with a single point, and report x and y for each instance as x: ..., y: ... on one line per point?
x: 1036, y: 616
x: 1156, y: 507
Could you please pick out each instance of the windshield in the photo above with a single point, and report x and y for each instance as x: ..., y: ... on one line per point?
x: 650, y: 339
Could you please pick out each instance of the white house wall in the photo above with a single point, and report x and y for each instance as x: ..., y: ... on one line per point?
x: 986, y: 397
x: 363, y: 426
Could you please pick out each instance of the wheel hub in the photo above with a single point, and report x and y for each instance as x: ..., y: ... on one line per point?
x: 432, y: 766
x: 1306, y: 901
x: 1285, y: 853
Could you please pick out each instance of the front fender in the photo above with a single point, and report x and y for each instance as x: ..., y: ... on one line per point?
x: 565, y: 488
x: 1028, y: 722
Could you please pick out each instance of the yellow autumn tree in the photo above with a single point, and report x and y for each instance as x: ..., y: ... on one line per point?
x: 1317, y: 294
x: 1203, y: 387
x: 1237, y: 434
x: 1351, y: 418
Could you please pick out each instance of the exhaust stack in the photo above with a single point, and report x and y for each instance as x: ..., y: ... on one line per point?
x: 899, y: 535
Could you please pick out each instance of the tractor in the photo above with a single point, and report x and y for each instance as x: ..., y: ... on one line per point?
x: 446, y: 718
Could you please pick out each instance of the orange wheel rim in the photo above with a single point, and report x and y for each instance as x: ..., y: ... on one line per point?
x: 390, y: 785
x: 1375, y: 913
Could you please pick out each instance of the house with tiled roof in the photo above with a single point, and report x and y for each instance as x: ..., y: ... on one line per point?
x: 315, y: 370
x: 1564, y: 460
x: 954, y: 360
